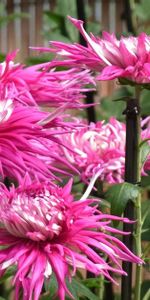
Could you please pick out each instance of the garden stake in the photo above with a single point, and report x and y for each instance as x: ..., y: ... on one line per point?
x: 132, y: 175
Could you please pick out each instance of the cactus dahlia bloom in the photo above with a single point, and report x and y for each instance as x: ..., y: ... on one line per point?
x: 42, y: 85
x: 44, y: 231
x: 127, y: 58
x: 25, y: 145
x: 100, y: 148
x: 146, y: 136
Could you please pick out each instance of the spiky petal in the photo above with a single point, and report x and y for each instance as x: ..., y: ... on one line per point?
x: 27, y: 141
x: 41, y: 84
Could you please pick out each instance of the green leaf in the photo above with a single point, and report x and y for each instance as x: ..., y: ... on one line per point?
x: 142, y: 10
x: 31, y: 60
x: 59, y: 21
x: 144, y: 151
x: 91, y: 282
x: 145, y: 103
x: 2, y: 57
x: 106, y: 109
x: 144, y: 288
x: 51, y: 285
x: 77, y: 289
x: 7, y: 274
x: 145, y: 181
x: 118, y: 195
x: 81, y: 290
x: 46, y: 296
x: 146, y: 220
x: 73, y: 289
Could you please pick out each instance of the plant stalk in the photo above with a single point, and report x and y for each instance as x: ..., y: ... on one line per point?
x: 132, y: 175
x: 137, y: 294
x: 101, y: 288
x: 147, y: 295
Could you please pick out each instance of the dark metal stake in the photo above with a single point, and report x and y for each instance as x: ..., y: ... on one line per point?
x: 132, y: 113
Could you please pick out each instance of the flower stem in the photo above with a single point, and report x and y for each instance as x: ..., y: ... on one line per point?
x: 137, y: 294
x: 101, y: 287
x: 132, y: 175
x: 138, y: 225
x: 147, y: 295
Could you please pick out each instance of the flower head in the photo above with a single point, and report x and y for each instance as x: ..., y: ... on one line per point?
x: 127, y: 58
x: 100, y: 148
x: 26, y: 141
x: 41, y: 84
x: 44, y: 230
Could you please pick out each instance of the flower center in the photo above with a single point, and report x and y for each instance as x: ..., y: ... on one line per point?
x: 37, y: 216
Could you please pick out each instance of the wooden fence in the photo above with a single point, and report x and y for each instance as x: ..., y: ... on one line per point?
x: 24, y: 32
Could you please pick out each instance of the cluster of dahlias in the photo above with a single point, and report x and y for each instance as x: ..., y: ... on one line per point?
x: 43, y: 230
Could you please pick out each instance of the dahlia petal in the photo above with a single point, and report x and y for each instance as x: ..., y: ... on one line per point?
x: 25, y: 145
x: 60, y: 270
x: 110, y: 72
x: 79, y: 25
x: 37, y: 276
x: 128, y: 57
x: 42, y: 84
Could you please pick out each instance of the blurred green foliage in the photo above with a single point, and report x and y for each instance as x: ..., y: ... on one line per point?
x: 4, y: 19
x: 141, y: 10
x: 57, y: 26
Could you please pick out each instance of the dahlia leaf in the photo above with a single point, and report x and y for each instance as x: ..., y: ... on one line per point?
x: 118, y: 195
x: 59, y: 21
x: 145, y: 104
x: 81, y: 290
x: 51, y: 285
x: 146, y: 221
x: 73, y: 289
x: 145, y: 181
x: 7, y: 274
x: 91, y: 282
x: 144, y: 151
x: 145, y: 288
x: 45, y: 297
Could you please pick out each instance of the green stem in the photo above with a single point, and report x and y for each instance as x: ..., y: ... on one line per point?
x: 138, y: 225
x: 101, y: 288
x: 147, y: 295
x: 138, y: 231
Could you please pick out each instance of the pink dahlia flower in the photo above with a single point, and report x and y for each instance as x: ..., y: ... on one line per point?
x: 25, y: 145
x: 41, y: 84
x: 146, y: 137
x: 43, y: 231
x: 127, y: 58
x: 100, y: 148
